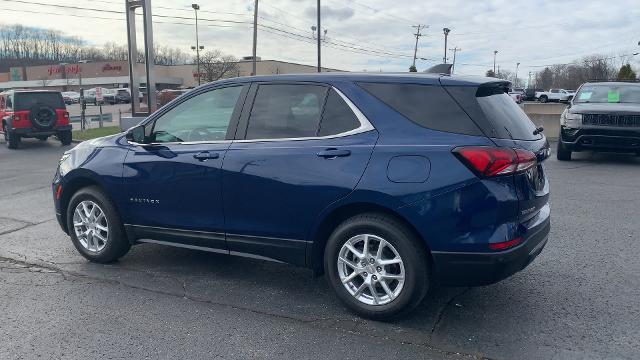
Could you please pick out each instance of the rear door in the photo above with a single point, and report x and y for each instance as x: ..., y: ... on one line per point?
x: 292, y: 157
x: 508, y: 126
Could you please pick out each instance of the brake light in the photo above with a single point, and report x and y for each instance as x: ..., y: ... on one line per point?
x: 16, y: 117
x: 505, y: 244
x: 487, y: 161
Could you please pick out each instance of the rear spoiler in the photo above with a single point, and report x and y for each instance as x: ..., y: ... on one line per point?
x: 440, y: 69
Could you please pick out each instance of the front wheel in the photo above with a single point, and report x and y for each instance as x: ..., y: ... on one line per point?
x: 562, y: 154
x: 65, y: 137
x: 95, y: 226
x: 543, y: 99
x: 377, y: 267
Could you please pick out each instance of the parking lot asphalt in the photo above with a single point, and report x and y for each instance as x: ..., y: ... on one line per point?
x: 579, y: 299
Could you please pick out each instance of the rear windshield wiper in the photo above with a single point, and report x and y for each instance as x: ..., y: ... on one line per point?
x: 538, y: 130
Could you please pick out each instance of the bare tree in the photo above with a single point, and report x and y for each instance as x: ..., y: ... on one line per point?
x: 215, y: 66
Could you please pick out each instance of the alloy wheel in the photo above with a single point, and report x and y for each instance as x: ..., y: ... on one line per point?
x: 371, y: 269
x: 91, y: 226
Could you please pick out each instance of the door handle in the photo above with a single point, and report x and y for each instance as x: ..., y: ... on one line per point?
x: 205, y: 155
x: 333, y: 153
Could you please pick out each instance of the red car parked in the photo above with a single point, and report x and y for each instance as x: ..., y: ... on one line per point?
x: 33, y: 114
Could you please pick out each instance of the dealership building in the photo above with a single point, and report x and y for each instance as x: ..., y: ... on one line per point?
x: 115, y: 74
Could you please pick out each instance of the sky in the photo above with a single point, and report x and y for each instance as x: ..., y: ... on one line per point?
x: 367, y: 35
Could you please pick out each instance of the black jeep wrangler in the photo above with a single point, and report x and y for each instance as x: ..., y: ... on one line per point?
x: 33, y: 114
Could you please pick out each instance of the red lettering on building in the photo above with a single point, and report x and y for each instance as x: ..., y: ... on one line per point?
x: 109, y: 67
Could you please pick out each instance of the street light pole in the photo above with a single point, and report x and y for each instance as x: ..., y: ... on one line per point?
x: 446, y: 34
x: 319, y: 40
x: 196, y: 7
x: 495, y: 53
x: 255, y: 36
x: 517, y: 66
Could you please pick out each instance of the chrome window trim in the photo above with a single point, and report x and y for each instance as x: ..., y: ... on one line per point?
x: 365, y: 126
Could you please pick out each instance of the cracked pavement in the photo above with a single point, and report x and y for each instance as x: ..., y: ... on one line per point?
x: 579, y: 299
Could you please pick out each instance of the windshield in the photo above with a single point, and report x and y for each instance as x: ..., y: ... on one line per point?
x: 612, y: 93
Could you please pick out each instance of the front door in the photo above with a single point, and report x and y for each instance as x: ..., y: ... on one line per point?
x: 173, y: 184
x: 294, y: 158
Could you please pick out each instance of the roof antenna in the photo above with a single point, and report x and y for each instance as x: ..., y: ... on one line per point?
x: 440, y: 69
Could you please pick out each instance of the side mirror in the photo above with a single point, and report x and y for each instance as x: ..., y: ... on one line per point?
x: 135, y: 134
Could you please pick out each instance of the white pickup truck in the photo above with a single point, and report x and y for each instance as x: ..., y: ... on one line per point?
x: 558, y: 95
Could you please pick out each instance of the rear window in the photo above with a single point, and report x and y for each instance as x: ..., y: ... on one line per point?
x: 27, y: 100
x: 429, y: 106
x: 504, y: 113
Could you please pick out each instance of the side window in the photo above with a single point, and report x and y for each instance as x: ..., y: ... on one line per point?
x: 429, y: 106
x: 1, y: 102
x: 554, y: 91
x: 286, y: 111
x: 337, y: 117
x: 9, y: 102
x: 204, y: 117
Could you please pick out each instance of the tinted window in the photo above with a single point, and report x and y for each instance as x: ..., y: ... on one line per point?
x: 27, y: 100
x: 428, y: 106
x: 504, y: 113
x: 337, y: 117
x: 204, y: 117
x: 9, y: 102
x: 286, y: 111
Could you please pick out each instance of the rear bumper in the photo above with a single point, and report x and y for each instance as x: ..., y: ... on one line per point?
x: 31, y: 132
x: 477, y: 269
x: 610, y: 140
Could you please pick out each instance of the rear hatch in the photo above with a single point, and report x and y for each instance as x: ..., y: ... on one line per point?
x: 506, y: 124
x: 44, y: 109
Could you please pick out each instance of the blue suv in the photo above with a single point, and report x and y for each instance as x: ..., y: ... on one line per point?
x: 389, y: 184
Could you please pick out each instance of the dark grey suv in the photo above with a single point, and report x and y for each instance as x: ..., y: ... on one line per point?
x: 603, y: 116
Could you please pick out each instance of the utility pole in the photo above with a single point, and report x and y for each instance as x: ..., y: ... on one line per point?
x: 196, y: 7
x: 495, y: 53
x: 418, y: 35
x: 446, y: 35
x: 530, y: 73
x: 455, y: 50
x: 517, y: 66
x: 319, y: 41
x: 255, y: 36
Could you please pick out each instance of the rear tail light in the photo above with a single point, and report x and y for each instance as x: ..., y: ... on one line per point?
x: 16, y: 117
x: 487, y: 161
x: 65, y: 115
x: 505, y: 244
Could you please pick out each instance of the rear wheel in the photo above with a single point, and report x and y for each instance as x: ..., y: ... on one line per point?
x: 65, y: 137
x: 543, y: 99
x: 377, y: 266
x: 562, y: 153
x: 95, y: 226
x: 12, y: 139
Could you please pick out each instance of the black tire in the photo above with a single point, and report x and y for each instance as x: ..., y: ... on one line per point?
x: 414, y: 257
x: 12, y: 140
x: 543, y: 99
x: 65, y: 137
x: 117, y: 244
x: 562, y: 153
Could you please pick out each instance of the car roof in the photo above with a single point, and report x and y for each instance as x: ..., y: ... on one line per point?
x: 421, y: 78
x: 610, y: 83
